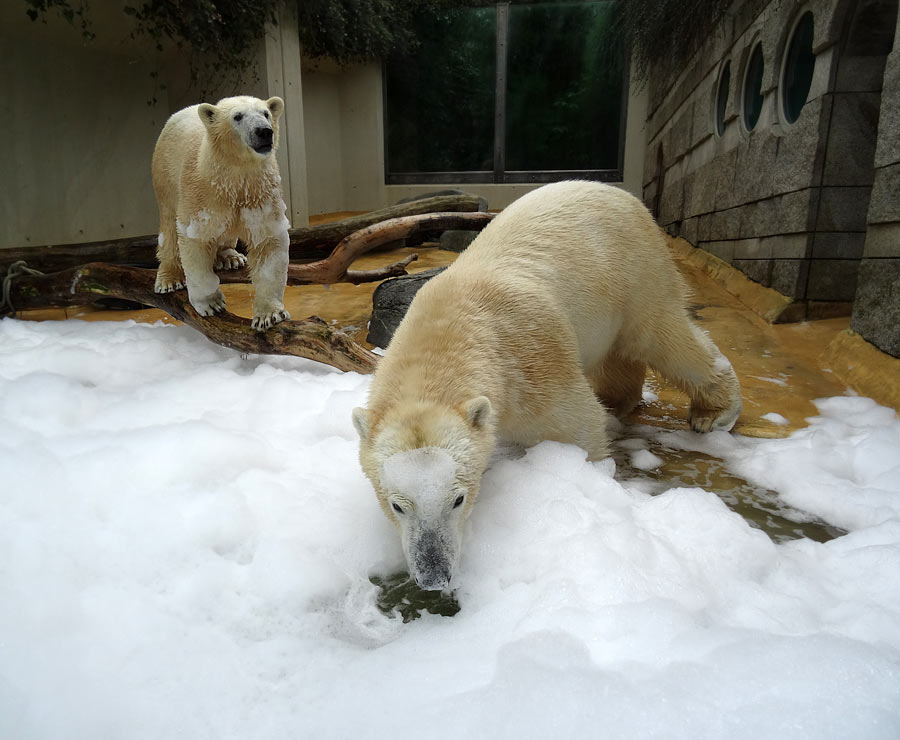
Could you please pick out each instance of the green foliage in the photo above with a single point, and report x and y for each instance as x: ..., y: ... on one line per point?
x: 666, y: 31
x: 227, y: 31
x: 351, y: 31
x: 75, y: 14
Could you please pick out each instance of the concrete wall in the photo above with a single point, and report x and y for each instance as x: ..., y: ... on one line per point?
x: 83, y: 118
x: 786, y: 203
x: 75, y: 165
x: 344, y: 139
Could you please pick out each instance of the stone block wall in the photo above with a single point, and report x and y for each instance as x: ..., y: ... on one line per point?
x: 876, y: 311
x: 787, y: 203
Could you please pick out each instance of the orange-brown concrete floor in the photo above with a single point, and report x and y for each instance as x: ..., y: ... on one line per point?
x: 783, y: 368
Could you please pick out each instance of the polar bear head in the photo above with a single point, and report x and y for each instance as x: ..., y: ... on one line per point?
x: 243, y: 126
x: 425, y: 461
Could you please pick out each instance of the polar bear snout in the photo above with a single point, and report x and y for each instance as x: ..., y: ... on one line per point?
x: 431, y: 563
x: 261, y: 139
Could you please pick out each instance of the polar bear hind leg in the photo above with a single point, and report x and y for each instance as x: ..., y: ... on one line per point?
x: 687, y: 357
x: 228, y: 258
x: 169, y: 275
x: 197, y: 259
x: 618, y: 382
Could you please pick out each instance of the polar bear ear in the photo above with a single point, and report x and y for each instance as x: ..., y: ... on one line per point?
x: 275, y: 106
x: 478, y: 411
x: 361, y: 422
x: 207, y: 113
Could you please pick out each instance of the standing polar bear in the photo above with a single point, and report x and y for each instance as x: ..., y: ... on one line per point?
x: 216, y: 181
x: 550, y: 317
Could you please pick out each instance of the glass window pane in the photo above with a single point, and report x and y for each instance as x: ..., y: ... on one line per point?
x: 440, y: 100
x: 798, y: 69
x: 564, y: 87
x: 753, y: 98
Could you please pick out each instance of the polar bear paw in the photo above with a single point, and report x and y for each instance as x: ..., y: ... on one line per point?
x: 230, y: 259
x: 211, y: 305
x: 167, y: 284
x: 267, y: 321
x: 713, y: 420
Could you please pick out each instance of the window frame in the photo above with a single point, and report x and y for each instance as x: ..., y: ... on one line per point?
x: 754, y: 47
x: 499, y: 175
x: 724, y: 77
x: 782, y: 72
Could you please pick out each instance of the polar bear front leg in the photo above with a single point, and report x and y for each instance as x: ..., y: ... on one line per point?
x: 197, y: 259
x: 572, y: 415
x: 268, y: 270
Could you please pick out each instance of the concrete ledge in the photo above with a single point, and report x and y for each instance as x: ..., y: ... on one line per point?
x: 763, y: 301
x: 864, y: 367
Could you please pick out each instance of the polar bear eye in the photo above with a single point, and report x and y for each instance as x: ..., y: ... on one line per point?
x: 266, y: 113
x: 238, y: 116
x: 458, y: 502
x: 397, y: 508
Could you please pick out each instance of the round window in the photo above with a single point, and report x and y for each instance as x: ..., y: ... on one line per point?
x: 799, y: 64
x: 722, y: 97
x: 753, y: 99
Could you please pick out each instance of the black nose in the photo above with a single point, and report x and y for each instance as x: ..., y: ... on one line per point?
x: 433, y: 580
x: 264, y: 133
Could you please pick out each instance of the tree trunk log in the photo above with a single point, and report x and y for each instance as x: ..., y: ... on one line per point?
x: 306, y: 242
x: 311, y: 338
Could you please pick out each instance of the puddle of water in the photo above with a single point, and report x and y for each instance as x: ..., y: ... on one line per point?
x: 760, y: 507
x: 400, y: 595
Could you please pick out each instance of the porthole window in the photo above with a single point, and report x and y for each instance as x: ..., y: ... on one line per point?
x: 722, y: 97
x: 797, y: 72
x: 752, y: 96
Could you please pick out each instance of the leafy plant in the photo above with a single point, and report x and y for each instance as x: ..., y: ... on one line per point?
x: 666, y: 31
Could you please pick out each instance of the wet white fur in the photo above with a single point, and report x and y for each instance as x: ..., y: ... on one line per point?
x: 214, y: 188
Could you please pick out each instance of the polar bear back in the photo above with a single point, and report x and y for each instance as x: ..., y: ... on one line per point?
x: 592, y: 249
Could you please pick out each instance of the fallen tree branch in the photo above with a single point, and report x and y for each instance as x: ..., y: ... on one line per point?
x: 310, y: 338
x: 395, y: 269
x: 307, y: 242
x: 333, y: 268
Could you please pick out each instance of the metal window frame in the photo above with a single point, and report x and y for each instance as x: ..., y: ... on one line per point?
x: 499, y: 175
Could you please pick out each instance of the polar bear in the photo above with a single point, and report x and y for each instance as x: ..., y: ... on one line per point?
x: 550, y: 317
x: 216, y: 181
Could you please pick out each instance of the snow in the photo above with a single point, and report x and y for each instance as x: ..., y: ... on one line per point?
x: 188, y: 541
x: 775, y: 418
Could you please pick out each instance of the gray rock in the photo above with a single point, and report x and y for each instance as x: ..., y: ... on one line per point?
x: 457, y: 241
x: 390, y: 302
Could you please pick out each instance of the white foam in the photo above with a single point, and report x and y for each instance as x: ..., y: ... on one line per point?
x: 424, y: 474
x: 645, y: 460
x: 188, y: 539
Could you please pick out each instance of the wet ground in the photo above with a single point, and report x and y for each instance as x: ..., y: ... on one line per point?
x: 782, y: 369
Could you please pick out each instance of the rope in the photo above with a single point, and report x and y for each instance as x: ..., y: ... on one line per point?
x: 16, y: 269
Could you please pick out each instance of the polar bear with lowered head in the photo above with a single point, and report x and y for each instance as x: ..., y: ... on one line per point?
x: 216, y: 181
x: 548, y: 319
